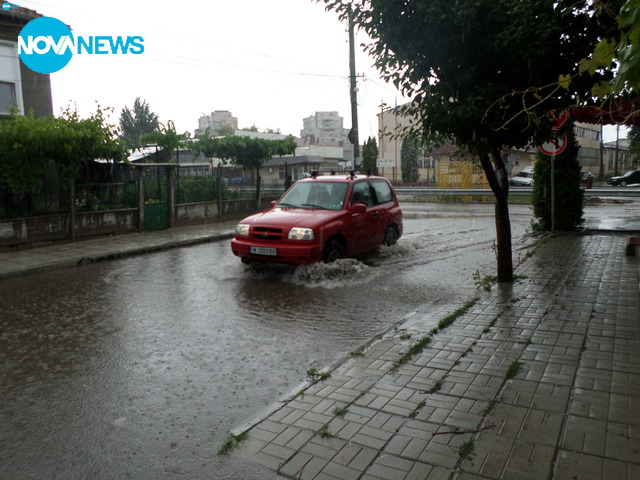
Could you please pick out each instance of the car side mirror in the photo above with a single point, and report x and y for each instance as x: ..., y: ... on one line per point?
x: 273, y: 203
x: 358, y: 208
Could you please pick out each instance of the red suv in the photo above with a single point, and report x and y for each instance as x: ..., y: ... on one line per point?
x: 322, y: 218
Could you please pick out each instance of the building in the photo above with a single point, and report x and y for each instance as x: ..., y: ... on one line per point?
x: 391, y: 124
x: 215, y: 121
x: 21, y: 89
x: 616, y: 159
x: 324, y: 128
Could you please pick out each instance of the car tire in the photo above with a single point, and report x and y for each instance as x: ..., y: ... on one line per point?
x: 623, y: 184
x: 390, y: 236
x: 333, y: 251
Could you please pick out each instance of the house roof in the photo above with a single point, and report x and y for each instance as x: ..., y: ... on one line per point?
x: 17, y: 12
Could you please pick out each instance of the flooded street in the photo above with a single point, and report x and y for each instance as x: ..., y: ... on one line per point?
x: 138, y: 368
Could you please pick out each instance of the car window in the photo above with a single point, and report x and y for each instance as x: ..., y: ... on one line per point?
x: 324, y: 195
x: 361, y: 194
x: 383, y: 191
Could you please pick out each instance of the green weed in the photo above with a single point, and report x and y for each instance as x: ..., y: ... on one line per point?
x: 232, y: 442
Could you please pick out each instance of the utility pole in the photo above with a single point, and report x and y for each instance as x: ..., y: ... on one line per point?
x: 353, y: 134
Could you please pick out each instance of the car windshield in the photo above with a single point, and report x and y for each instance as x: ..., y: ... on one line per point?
x: 525, y: 174
x: 322, y: 195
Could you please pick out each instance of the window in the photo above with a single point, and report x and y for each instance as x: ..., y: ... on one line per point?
x: 383, y: 192
x: 361, y: 194
x: 10, y: 86
x: 8, y: 100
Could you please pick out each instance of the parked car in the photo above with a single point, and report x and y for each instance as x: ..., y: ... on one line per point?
x: 322, y: 218
x: 524, y: 178
x: 628, y: 178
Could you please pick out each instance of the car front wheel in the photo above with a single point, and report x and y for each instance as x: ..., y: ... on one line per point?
x: 623, y: 184
x: 333, y: 251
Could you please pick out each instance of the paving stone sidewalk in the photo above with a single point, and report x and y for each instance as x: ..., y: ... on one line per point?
x: 538, y: 381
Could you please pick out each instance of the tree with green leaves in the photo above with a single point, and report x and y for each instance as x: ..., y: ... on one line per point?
x: 167, y: 138
x: 252, y: 154
x: 136, y: 122
x: 286, y: 146
x: 568, y: 201
x: 214, y: 147
x: 60, y: 146
x: 409, y: 159
x: 461, y: 63
x: 370, y: 155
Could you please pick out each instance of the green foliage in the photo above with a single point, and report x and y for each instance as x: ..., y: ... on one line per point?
x: 483, y: 283
x: 32, y: 148
x: 409, y: 159
x: 286, y: 146
x: 231, y: 443
x: 314, y: 374
x: 199, y: 189
x: 466, y: 449
x: 568, y: 194
x: 462, y: 75
x: 616, y: 52
x: 137, y: 122
x: 166, y: 137
x: 340, y: 412
x: 514, y: 369
x: 324, y: 431
x: 370, y: 155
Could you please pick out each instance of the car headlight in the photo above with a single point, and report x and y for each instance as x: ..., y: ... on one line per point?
x: 298, y: 233
x: 242, y: 230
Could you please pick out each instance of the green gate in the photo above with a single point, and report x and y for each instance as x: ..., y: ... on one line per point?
x: 156, y: 216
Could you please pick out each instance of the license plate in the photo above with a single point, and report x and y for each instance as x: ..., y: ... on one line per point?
x: 272, y: 252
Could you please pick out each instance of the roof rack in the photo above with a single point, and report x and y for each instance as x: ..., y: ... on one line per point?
x: 351, y: 172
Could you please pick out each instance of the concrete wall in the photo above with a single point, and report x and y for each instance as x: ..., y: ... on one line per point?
x: 30, y: 231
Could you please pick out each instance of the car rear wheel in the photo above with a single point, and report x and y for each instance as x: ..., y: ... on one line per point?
x: 333, y: 251
x: 390, y: 236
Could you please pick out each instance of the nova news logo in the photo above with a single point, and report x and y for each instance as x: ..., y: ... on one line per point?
x: 46, y: 45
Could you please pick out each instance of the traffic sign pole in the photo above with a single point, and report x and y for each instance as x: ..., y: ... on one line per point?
x: 553, y: 194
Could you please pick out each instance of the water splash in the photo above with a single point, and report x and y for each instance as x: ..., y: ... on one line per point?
x: 341, y: 273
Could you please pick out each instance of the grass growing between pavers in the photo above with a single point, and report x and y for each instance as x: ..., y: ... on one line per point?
x: 324, y: 431
x: 315, y: 375
x: 421, y: 344
x: 232, y: 442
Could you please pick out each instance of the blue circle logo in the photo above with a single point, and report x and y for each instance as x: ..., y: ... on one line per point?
x: 45, y: 45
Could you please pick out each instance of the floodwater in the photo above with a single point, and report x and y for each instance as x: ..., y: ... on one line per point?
x: 139, y: 367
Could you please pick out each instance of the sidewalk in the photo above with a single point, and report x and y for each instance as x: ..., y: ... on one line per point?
x: 538, y: 381
x: 71, y: 254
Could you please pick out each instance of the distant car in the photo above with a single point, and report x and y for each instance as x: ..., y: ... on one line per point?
x: 322, y: 218
x: 524, y: 178
x: 628, y: 178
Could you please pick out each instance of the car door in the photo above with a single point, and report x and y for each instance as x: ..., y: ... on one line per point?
x: 383, y: 200
x: 362, y: 229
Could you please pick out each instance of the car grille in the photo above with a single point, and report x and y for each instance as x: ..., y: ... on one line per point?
x: 267, y: 234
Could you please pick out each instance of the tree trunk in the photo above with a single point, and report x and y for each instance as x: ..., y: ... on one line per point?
x: 499, y: 184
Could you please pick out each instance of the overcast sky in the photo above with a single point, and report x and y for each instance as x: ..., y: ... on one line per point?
x: 270, y: 63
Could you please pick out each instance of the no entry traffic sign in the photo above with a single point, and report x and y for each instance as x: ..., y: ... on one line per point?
x: 555, y: 146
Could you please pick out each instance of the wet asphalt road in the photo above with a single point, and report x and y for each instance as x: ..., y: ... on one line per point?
x: 138, y: 368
